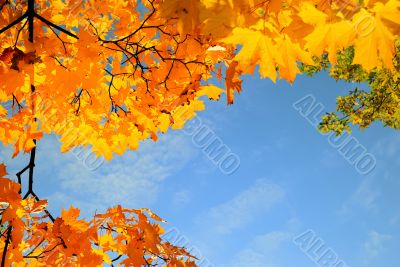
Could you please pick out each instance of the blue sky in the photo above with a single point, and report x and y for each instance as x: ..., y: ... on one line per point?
x: 290, y: 180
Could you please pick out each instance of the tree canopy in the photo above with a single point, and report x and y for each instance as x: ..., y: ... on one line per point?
x: 123, y: 71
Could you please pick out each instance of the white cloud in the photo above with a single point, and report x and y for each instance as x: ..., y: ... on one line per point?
x: 133, y: 180
x: 271, y: 242
x: 365, y: 196
x: 374, y: 245
x: 249, y: 257
x: 371, y: 195
x: 387, y: 147
x: 244, y: 208
x: 266, y: 250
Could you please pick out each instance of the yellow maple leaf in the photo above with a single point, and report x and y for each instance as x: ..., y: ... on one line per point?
x: 311, y: 15
x: 389, y: 10
x: 374, y: 44
x: 291, y: 53
x: 330, y: 38
x: 213, y: 92
x: 101, y: 148
x: 257, y: 48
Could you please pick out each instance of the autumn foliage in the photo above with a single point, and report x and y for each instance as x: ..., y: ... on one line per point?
x: 109, y: 74
x: 128, y: 237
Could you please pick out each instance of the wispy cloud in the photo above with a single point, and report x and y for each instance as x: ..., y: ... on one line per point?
x: 243, y: 208
x: 272, y: 241
x: 387, y: 147
x: 134, y: 180
x: 365, y: 196
x: 372, y: 191
x: 249, y: 257
x: 374, y: 245
x: 263, y: 251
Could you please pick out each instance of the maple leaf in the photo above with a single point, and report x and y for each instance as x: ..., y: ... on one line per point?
x: 9, y: 190
x: 291, y: 54
x: 257, y: 48
x: 186, y: 11
x: 3, y: 171
x: 213, y: 92
x: 310, y: 14
x: 375, y: 42
x: 232, y: 81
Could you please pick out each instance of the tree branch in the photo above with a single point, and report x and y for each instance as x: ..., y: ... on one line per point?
x: 51, y: 24
x: 15, y: 22
x: 3, y: 259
